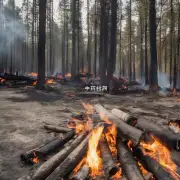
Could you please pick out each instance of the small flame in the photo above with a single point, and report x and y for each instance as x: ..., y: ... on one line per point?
x: 118, y: 175
x: 50, y: 81
x: 2, y: 80
x: 34, y: 83
x: 68, y: 75
x: 111, y: 135
x: 161, y: 154
x: 33, y: 74
x: 93, y: 159
x: 79, y: 166
x: 35, y: 160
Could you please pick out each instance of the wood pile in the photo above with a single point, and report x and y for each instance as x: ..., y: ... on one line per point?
x: 124, y: 147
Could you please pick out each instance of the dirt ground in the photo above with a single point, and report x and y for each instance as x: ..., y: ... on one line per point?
x: 24, y: 111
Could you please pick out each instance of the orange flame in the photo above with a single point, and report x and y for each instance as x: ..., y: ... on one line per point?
x: 50, y: 81
x: 111, y: 135
x: 34, y: 83
x: 118, y: 175
x: 79, y: 166
x: 93, y: 160
x: 33, y: 74
x: 35, y: 160
x: 161, y: 154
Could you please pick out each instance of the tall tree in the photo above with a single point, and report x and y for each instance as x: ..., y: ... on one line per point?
x: 153, y: 47
x: 41, y: 44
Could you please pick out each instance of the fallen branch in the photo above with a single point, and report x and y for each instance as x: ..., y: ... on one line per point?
x: 57, y: 129
x: 166, y: 136
x: 49, y: 166
x: 109, y: 165
x: 124, y: 116
x: 82, y: 174
x: 128, y: 163
x: 46, y: 149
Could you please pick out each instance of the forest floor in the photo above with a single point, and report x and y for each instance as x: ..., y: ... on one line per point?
x: 24, y: 111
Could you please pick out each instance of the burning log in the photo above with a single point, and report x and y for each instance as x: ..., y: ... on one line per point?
x: 49, y: 166
x: 167, y: 137
x: 124, y: 116
x: 68, y: 165
x: 128, y: 163
x: 132, y: 133
x: 46, y: 149
x: 109, y: 166
x: 151, y: 165
x: 82, y: 174
x: 57, y: 129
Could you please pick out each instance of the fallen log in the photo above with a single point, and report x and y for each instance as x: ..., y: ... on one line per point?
x: 132, y: 133
x: 148, y: 176
x: 82, y: 174
x: 68, y: 165
x: 124, y: 116
x: 175, y: 156
x: 167, y: 137
x: 49, y: 166
x: 109, y: 165
x: 152, y: 166
x: 57, y: 129
x: 46, y: 149
x: 128, y: 163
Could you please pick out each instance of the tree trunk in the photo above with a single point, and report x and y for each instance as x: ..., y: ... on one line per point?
x: 88, y: 43
x: 41, y: 44
x: 95, y: 39
x: 130, y: 39
x: 73, y: 64
x: 153, y: 47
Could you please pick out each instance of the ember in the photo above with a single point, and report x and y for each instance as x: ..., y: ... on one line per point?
x: 33, y: 74
x: 35, y: 159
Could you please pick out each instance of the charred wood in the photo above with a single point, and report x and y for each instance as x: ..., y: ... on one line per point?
x: 109, y: 165
x: 57, y: 129
x: 82, y: 174
x: 152, y: 166
x: 128, y: 163
x: 46, y: 149
x: 49, y: 166
x: 169, y: 138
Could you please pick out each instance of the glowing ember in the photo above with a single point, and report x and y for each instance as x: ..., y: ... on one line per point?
x: 144, y: 171
x: 35, y: 160
x: 2, y: 80
x: 118, y: 175
x: 111, y: 135
x: 161, y: 154
x: 34, y: 83
x: 33, y: 74
x: 68, y: 75
x: 50, y: 81
x: 174, y: 126
x: 93, y: 160
x: 88, y: 107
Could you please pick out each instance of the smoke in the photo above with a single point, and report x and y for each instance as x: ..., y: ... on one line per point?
x: 11, y: 30
x: 163, y: 80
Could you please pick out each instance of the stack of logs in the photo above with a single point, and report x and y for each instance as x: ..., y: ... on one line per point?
x: 68, y: 152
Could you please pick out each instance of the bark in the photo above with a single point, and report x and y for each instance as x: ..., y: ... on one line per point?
x: 82, y: 174
x: 130, y: 41
x: 152, y: 166
x: 109, y: 165
x: 128, y: 163
x: 49, y: 166
x: 57, y: 129
x: 95, y: 40
x: 124, y: 116
x: 153, y: 47
x: 46, y: 149
x: 68, y: 165
x: 41, y: 44
x: 88, y: 43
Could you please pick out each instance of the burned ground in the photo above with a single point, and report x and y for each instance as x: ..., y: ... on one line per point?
x: 24, y: 111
